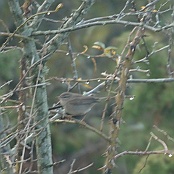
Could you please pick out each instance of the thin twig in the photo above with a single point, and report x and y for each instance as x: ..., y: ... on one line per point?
x: 84, y: 124
x: 143, y: 153
x: 164, y: 133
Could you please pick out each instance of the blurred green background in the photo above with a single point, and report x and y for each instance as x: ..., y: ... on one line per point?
x: 152, y: 103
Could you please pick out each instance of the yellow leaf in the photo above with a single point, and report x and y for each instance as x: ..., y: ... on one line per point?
x: 87, y: 86
x: 143, y: 7
x: 110, y: 51
x: 59, y: 7
x: 99, y: 45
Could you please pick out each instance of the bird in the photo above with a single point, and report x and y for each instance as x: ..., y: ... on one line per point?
x: 76, y: 104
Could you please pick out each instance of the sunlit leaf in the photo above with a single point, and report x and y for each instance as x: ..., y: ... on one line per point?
x: 79, y: 79
x: 110, y: 51
x: 143, y: 7
x: 87, y: 86
x: 59, y: 7
x: 154, y: 11
x: 99, y: 45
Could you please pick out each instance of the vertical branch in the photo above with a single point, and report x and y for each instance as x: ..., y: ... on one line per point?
x: 17, y: 13
x: 171, y: 43
x: 170, y: 74
x: 116, y: 119
x: 21, y: 116
x: 43, y: 138
x: 73, y: 62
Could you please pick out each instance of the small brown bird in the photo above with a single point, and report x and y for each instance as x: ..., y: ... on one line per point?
x: 77, y: 104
